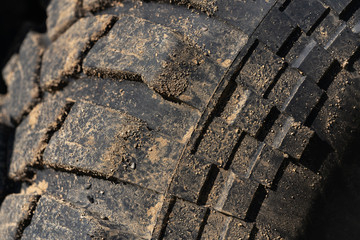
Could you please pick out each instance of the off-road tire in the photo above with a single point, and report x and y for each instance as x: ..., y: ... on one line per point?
x: 184, y: 119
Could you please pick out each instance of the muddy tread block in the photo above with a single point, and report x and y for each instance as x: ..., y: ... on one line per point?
x: 260, y: 70
x: 113, y: 144
x: 305, y: 12
x: 285, y: 87
x: 217, y: 39
x: 23, y: 82
x: 189, y: 178
x: 337, y: 5
x: 303, y: 101
x: 220, y: 226
x: 318, y: 57
x: 264, y: 233
x: 61, y: 14
x: 131, y: 208
x: 208, y: 6
x: 327, y: 28
x: 345, y: 45
x: 275, y: 28
x: 297, y: 49
x: 340, y: 115
x: 158, y: 57
x: 232, y: 195
x: 9, y: 68
x: 289, y: 136
x: 184, y: 221
x: 94, y: 5
x: 136, y: 99
x: 354, y: 22
x: 63, y: 57
x: 285, y: 209
x: 54, y: 219
x: 238, y: 13
x: 256, y: 161
x: 31, y: 134
x: 218, y: 142
x: 246, y: 110
x: 15, y: 209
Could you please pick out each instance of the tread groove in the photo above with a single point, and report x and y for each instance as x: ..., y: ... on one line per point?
x: 279, y: 174
x: 256, y: 203
x: 203, y: 224
x: 318, y: 22
x: 289, y: 42
x: 268, y: 123
x: 52, y: 129
x: 275, y: 80
x: 284, y: 5
x: 315, y: 111
x: 236, y: 147
x: 349, y: 10
x: 208, y: 184
x: 26, y: 222
x: 330, y: 74
x: 166, y: 218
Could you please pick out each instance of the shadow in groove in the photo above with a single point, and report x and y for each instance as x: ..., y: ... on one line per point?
x: 336, y: 212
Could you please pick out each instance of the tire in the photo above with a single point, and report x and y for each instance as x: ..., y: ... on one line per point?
x: 177, y: 119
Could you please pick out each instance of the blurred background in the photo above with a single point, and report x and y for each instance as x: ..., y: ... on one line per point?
x: 17, y: 17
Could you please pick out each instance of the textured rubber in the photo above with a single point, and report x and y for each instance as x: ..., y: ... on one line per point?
x: 189, y: 119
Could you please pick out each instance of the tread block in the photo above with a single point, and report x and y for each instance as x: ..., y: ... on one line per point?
x: 114, y: 144
x: 30, y: 135
x: 220, y: 226
x: 61, y: 14
x: 238, y: 13
x: 157, y: 56
x: 218, y: 142
x: 246, y: 111
x: 327, y: 29
x: 8, y: 70
x: 15, y: 209
x: 264, y: 233
x: 23, y: 88
x: 131, y: 208
x: 136, y: 99
x: 274, y: 29
x: 260, y: 70
x: 63, y: 57
x: 208, y: 6
x: 93, y: 5
x: 232, y: 195
x: 299, y: 49
x: 189, y: 178
x: 256, y: 161
x: 289, y: 136
x: 305, y: 12
x: 305, y: 98
x: 285, y: 209
x: 54, y: 219
x: 177, y: 228
x: 345, y: 45
x: 217, y: 39
x: 285, y: 87
x: 318, y: 57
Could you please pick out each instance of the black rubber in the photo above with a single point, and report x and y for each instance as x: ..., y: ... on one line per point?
x: 196, y: 119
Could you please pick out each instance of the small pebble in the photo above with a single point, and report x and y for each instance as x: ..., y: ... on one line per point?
x: 132, y: 165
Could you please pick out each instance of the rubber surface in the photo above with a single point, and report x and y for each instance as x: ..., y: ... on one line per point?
x: 177, y: 119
